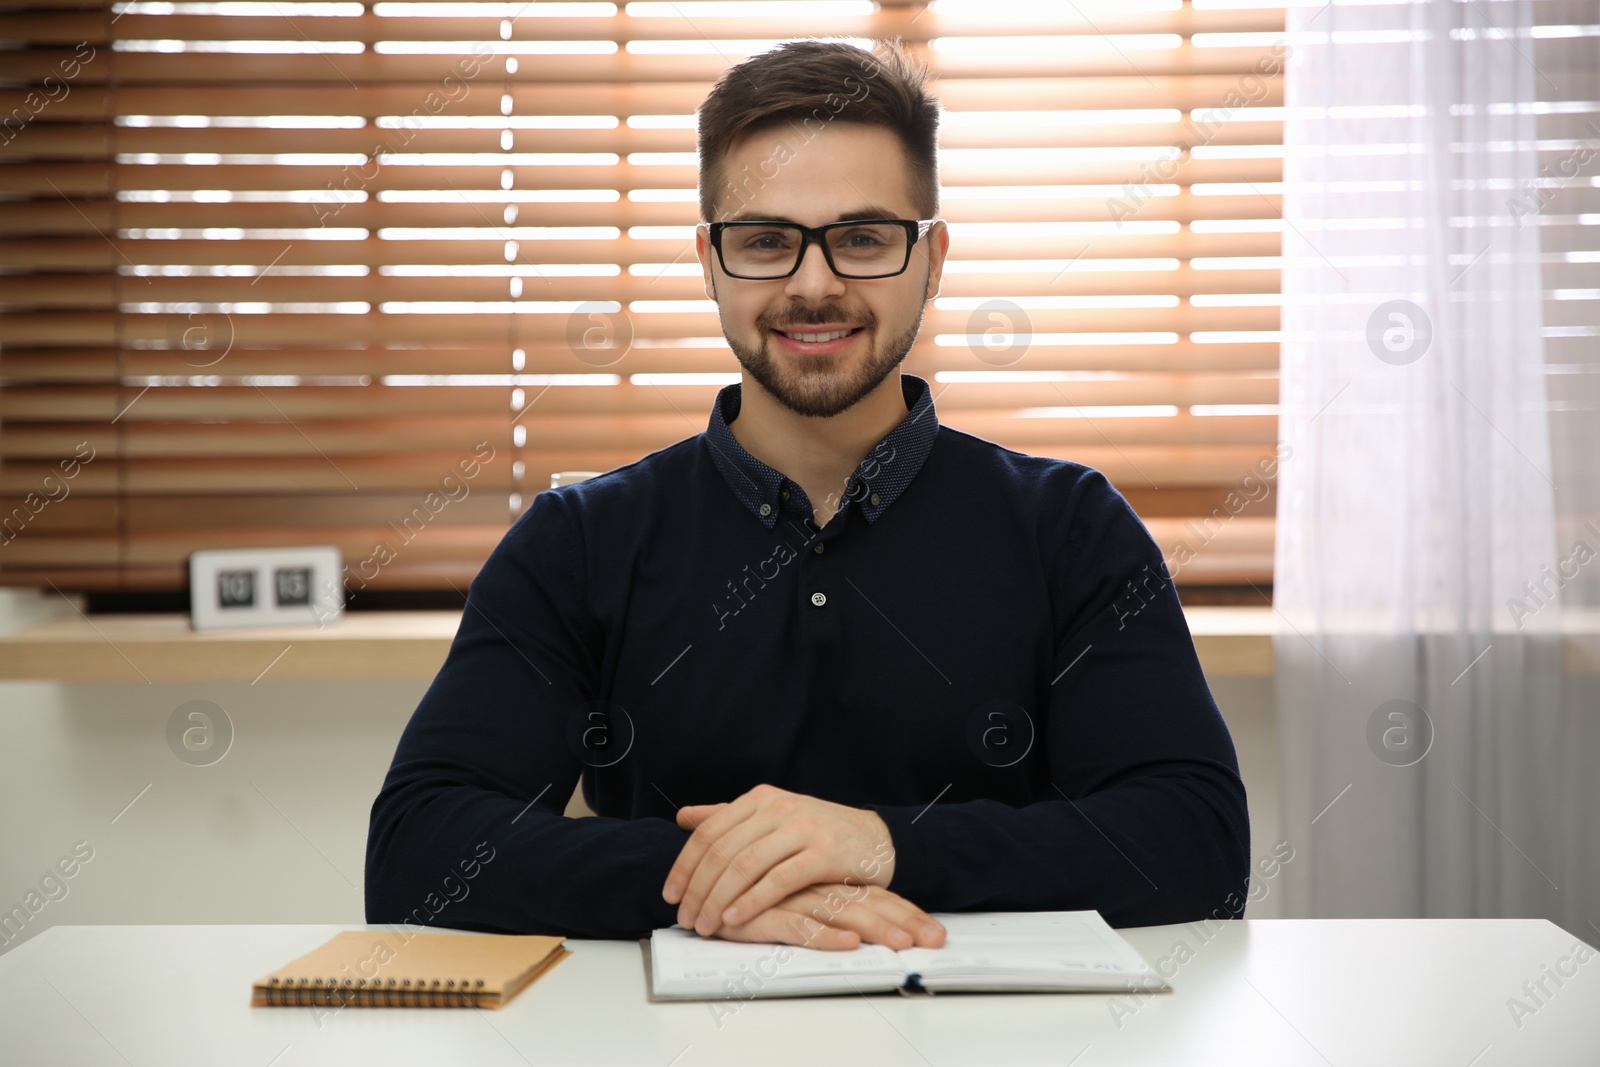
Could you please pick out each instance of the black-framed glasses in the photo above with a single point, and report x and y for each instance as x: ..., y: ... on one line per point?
x: 865, y: 248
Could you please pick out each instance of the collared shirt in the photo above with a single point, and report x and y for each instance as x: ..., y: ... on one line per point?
x: 874, y: 484
x: 981, y: 646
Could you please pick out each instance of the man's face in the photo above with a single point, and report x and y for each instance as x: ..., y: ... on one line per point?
x: 843, y: 171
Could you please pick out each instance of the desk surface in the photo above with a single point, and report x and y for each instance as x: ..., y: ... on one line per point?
x: 1278, y: 992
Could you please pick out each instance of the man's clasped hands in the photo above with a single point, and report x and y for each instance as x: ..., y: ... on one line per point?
x: 779, y: 867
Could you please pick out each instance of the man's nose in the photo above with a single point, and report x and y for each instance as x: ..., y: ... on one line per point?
x: 814, y: 278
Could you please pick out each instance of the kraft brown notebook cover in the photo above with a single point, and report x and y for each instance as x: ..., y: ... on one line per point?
x: 376, y: 968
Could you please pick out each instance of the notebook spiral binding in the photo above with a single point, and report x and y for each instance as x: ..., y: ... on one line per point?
x: 386, y: 993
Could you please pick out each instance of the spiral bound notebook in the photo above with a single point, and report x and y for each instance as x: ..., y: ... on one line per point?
x: 376, y: 968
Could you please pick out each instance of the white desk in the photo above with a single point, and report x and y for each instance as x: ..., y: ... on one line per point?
x: 1260, y: 992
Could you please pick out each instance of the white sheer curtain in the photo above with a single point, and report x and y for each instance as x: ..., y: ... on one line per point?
x: 1434, y: 760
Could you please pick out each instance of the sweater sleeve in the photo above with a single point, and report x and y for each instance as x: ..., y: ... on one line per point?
x: 1143, y: 817
x: 468, y: 830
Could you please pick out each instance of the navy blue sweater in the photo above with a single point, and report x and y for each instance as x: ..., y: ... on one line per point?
x: 981, y: 646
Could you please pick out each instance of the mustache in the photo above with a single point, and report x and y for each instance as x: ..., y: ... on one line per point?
x: 815, y: 317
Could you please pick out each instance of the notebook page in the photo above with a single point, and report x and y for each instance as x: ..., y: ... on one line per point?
x: 684, y: 962
x: 1069, y: 949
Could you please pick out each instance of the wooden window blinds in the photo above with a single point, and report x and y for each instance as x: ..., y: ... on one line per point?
x: 283, y: 272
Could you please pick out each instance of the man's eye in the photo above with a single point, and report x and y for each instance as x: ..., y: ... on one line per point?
x: 862, y: 239
x: 766, y: 242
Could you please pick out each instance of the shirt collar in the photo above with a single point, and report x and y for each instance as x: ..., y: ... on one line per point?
x: 885, y: 471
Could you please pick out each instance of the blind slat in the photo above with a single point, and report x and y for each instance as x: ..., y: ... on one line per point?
x: 1174, y: 459
x: 1107, y: 241
x: 21, y: 366
x: 1065, y: 92
x: 594, y: 403
x: 67, y: 178
x: 350, y: 73
x: 89, y: 217
x: 65, y: 28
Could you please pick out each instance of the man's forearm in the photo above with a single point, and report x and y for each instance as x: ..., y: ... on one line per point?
x: 464, y: 857
x: 1162, y: 850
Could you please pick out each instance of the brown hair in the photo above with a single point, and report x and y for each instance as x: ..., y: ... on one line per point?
x: 806, y: 84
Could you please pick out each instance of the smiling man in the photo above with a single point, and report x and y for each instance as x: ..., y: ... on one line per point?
x: 829, y: 666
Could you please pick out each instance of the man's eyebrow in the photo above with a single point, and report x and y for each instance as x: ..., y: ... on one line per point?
x: 868, y: 213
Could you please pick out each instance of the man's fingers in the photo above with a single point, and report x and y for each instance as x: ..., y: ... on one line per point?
x: 692, y: 815
x: 707, y: 827
x: 832, y: 939
x: 781, y: 879
x: 783, y: 927
x: 884, y: 912
x: 672, y: 891
x: 737, y: 861
x: 835, y: 905
x: 745, y: 857
x: 700, y: 879
x: 924, y: 928
x: 728, y: 855
x: 840, y: 917
x: 879, y: 916
x: 875, y: 929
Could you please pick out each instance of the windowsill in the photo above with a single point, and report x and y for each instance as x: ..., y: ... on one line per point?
x: 162, y: 648
x: 385, y: 645
x: 1231, y: 641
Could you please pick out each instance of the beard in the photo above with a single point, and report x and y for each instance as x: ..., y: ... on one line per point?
x: 822, y: 386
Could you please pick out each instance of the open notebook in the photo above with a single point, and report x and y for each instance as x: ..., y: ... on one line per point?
x: 375, y: 968
x: 1040, y: 951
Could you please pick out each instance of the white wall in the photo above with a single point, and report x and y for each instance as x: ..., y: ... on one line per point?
x: 274, y: 832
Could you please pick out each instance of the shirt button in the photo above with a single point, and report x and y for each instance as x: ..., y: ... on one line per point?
x: 819, y: 599
x: 783, y: 494
x: 818, y: 547
x: 874, y: 499
x: 766, y: 509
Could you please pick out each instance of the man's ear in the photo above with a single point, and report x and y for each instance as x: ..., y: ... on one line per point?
x: 702, y: 251
x: 937, y: 247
